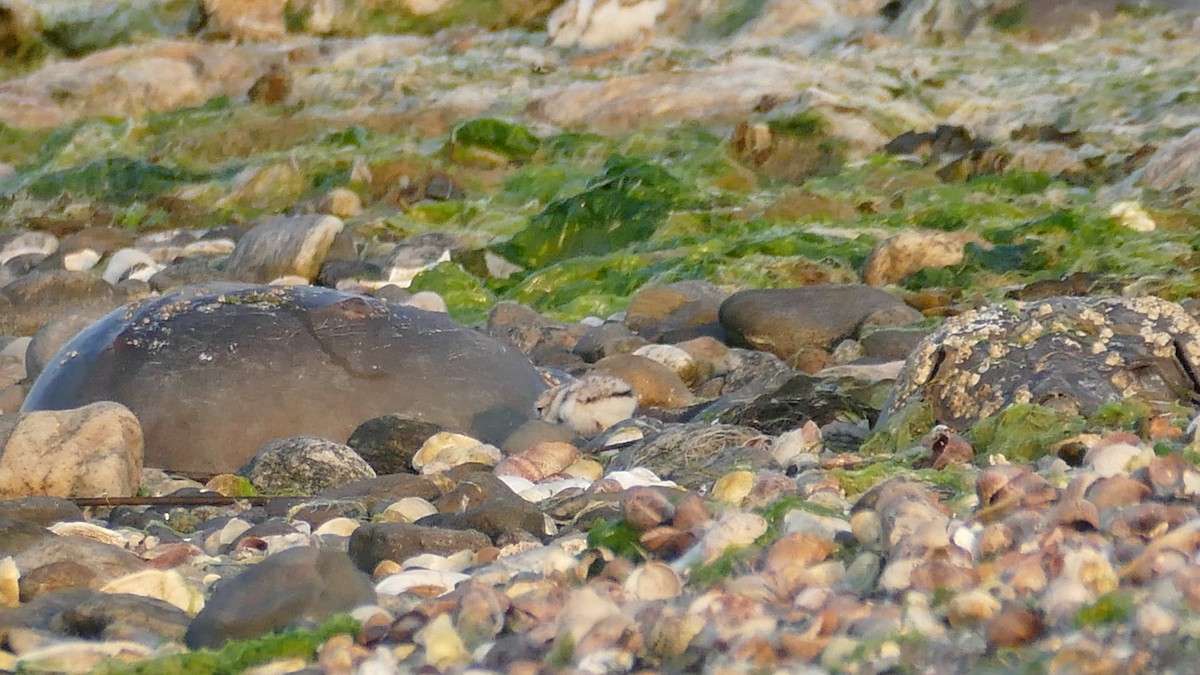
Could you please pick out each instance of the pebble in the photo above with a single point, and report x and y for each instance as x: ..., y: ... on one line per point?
x: 305, y: 463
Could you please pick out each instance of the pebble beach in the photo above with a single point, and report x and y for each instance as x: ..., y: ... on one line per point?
x: 464, y: 336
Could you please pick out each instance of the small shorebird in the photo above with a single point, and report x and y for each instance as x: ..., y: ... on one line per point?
x: 588, y: 405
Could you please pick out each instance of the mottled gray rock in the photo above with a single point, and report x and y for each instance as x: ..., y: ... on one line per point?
x: 32, y: 301
x: 40, y: 510
x: 800, y: 325
x: 212, y: 376
x: 389, y: 442
x: 305, y: 463
x: 740, y: 368
x: 373, y: 543
x: 1073, y: 354
x: 295, y: 585
x: 72, y: 562
x: 283, y: 246
x: 525, y: 327
x: 93, y: 451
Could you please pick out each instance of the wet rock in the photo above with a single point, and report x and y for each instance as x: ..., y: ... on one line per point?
x: 655, y: 384
x: 299, y: 584
x: 305, y: 463
x: 389, y: 443
x: 283, y: 246
x: 41, y: 510
x: 373, y: 543
x: 1070, y: 354
x: 220, y: 352
x: 72, y: 562
x: 32, y: 301
x: 900, y: 255
x: 93, y: 451
x: 800, y: 325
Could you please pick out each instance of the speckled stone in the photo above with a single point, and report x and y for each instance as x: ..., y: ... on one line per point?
x: 1071, y: 353
x: 305, y: 463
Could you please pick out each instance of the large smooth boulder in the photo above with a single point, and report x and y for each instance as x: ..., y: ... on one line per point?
x: 212, y: 376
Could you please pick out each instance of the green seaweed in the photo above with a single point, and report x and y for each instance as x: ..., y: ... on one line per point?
x: 120, y: 180
x: 623, y: 204
x: 617, y: 536
x: 1110, y: 608
x: 1023, y: 431
x: 490, y: 141
x: 467, y: 298
x: 239, y: 655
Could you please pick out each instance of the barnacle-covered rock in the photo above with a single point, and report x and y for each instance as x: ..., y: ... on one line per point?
x: 1071, y: 354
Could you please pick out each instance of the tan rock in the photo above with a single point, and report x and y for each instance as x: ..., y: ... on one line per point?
x: 900, y: 255
x: 93, y: 451
x: 129, y: 82
x: 655, y: 384
x: 246, y: 19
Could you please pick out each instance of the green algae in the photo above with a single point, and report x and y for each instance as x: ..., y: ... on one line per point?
x: 468, y: 299
x: 1110, y: 608
x: 1023, y: 431
x: 239, y: 655
x: 490, y: 142
x: 617, y: 536
x: 119, y: 180
x: 623, y: 204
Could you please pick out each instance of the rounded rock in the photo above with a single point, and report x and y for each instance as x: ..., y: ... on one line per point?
x: 305, y: 463
x: 213, y: 375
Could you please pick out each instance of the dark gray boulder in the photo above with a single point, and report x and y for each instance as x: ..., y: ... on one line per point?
x: 214, y: 374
